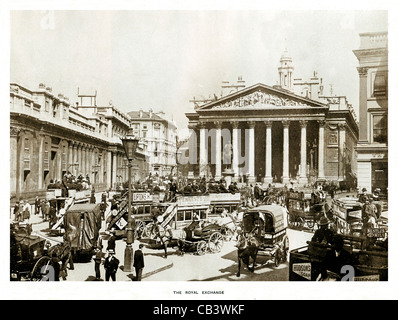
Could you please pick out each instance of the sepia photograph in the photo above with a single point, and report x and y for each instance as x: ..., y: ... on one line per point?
x: 208, y: 151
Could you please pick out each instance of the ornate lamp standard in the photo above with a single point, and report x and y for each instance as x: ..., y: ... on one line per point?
x: 130, y: 143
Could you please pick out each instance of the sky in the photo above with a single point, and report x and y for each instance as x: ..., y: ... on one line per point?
x: 161, y: 59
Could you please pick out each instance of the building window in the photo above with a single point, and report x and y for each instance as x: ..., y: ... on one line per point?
x: 379, y: 85
x: 47, y: 106
x: 26, y: 159
x: 380, y: 128
x: 46, y: 158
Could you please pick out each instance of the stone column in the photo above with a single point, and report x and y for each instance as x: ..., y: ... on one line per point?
x: 14, y: 160
x: 75, y: 159
x: 321, y: 150
x: 203, y: 161
x: 303, y: 153
x: 251, y: 173
x: 342, y: 154
x: 109, y: 170
x: 235, y: 150
x: 40, y: 162
x: 218, y: 125
x: 363, y: 104
x: 268, y: 153
x: 114, y: 169
x: 83, y: 164
x: 285, y: 176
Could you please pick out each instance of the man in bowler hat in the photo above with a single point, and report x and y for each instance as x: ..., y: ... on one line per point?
x: 138, y: 262
x: 111, y: 264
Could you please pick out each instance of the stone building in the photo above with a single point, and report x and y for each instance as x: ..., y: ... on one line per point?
x: 271, y: 134
x: 158, y: 137
x: 49, y: 137
x: 372, y: 146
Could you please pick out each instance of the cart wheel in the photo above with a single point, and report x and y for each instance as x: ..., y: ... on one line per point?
x: 201, y: 247
x: 216, y: 242
x: 43, y: 270
x: 139, y: 229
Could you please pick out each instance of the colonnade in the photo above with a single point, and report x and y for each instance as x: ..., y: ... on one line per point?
x: 250, y: 131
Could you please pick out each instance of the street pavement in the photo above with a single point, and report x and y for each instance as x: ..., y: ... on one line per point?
x: 220, y: 266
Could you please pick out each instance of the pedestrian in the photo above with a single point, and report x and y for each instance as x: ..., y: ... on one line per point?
x: 112, y: 241
x: 57, y: 268
x: 98, y: 260
x: 111, y: 264
x: 139, y: 262
x: 26, y: 211
x: 37, y: 206
x: 17, y: 210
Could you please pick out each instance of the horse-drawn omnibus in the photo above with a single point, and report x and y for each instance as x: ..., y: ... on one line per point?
x: 347, y: 216
x: 305, y: 208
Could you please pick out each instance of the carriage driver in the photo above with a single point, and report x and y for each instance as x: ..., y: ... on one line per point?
x: 323, y: 234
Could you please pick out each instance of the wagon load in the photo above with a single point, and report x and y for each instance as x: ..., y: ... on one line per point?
x: 82, y: 223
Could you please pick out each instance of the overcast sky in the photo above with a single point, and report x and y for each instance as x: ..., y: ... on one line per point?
x: 161, y: 59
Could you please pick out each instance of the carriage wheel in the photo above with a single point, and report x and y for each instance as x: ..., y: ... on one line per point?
x: 201, y: 247
x: 216, y: 242
x: 139, y: 228
x: 43, y: 270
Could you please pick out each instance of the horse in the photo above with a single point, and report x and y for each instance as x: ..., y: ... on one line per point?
x: 247, y: 248
x: 63, y: 252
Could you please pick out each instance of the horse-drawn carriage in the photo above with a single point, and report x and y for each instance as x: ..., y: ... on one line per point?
x: 263, y: 233
x: 305, y: 208
x: 356, y: 261
x: 32, y: 258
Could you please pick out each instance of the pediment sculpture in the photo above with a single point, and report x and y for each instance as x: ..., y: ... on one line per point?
x: 258, y: 97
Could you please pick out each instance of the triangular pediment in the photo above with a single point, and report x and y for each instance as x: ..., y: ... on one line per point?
x: 260, y: 96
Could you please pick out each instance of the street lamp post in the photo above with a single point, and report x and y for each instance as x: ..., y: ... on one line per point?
x: 130, y: 143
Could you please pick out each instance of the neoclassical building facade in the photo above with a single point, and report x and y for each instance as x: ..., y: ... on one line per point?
x: 49, y: 137
x: 269, y: 134
x: 372, y: 148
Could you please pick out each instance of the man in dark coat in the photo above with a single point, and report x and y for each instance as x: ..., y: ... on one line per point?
x: 111, y: 264
x: 323, y: 234
x: 112, y: 242
x: 139, y: 262
x: 98, y: 259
